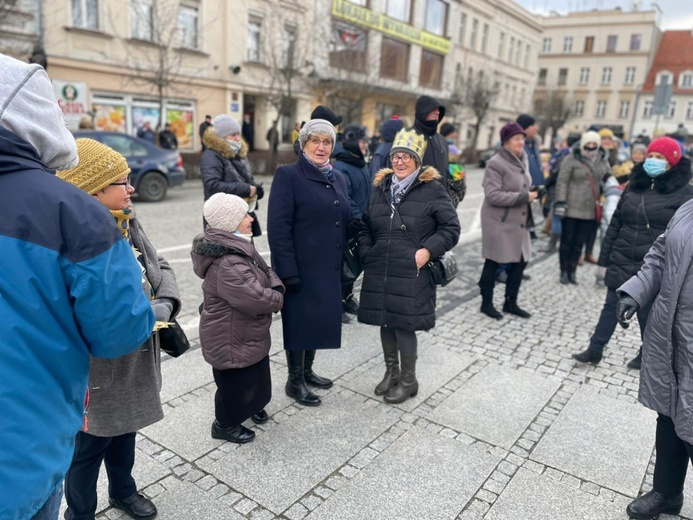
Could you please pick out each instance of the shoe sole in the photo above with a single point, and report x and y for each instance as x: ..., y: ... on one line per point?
x: 400, y: 402
x: 304, y: 403
x: 674, y: 511
x: 153, y: 515
x: 236, y: 441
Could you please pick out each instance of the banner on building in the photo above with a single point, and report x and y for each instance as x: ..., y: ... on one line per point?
x: 366, y: 18
x: 348, y: 38
x: 109, y: 118
x: 72, y: 100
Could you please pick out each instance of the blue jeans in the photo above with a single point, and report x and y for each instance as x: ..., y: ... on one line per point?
x: 556, y: 225
x: 51, y: 508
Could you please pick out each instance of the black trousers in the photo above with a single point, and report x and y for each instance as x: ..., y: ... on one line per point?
x: 512, y: 286
x: 573, y: 236
x: 404, y: 340
x: 608, y: 321
x: 673, y: 455
x: 118, y: 454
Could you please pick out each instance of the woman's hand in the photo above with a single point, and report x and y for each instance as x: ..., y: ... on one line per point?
x: 422, y: 257
x: 533, y: 195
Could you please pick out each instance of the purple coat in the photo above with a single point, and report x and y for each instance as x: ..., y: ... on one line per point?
x: 306, y: 223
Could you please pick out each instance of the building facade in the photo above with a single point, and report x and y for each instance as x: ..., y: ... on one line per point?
x: 595, y: 62
x: 673, y: 66
x: 496, y: 43
x: 20, y: 27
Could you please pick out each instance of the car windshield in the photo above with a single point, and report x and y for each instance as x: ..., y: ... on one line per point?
x: 125, y: 145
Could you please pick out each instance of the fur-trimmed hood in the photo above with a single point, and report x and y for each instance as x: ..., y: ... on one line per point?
x: 215, y: 143
x: 670, y: 181
x: 427, y: 174
x: 215, y: 243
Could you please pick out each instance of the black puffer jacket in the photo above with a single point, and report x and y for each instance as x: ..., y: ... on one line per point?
x: 394, y: 292
x: 642, y: 214
x: 222, y: 170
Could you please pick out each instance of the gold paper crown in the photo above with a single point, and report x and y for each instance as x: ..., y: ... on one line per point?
x: 411, y: 142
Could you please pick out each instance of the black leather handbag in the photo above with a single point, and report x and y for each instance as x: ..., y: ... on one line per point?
x: 351, y: 266
x: 443, y: 269
x: 173, y: 340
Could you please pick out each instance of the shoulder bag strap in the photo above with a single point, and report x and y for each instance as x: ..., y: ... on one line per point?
x: 590, y: 175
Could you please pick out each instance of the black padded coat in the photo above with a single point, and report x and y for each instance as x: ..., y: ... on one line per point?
x: 642, y: 214
x: 395, y: 293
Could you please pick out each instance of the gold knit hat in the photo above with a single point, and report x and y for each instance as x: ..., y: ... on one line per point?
x: 410, y: 142
x: 98, y: 167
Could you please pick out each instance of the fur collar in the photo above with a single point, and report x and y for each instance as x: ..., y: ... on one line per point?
x: 670, y: 181
x: 203, y: 246
x: 221, y: 146
x: 427, y: 174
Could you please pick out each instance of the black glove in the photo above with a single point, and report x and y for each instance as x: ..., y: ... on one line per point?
x: 292, y: 284
x: 278, y: 288
x: 626, y: 309
x: 259, y: 191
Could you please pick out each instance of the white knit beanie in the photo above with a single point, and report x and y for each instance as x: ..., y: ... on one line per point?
x: 225, y: 125
x: 590, y: 137
x: 224, y: 211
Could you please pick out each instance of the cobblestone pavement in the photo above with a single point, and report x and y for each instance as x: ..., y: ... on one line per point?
x: 505, y: 425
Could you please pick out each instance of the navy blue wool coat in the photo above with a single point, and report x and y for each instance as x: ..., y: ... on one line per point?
x: 306, y: 224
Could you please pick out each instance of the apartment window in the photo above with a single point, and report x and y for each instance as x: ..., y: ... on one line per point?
x: 686, y: 80
x: 484, y: 38
x: 584, y: 75
x: 589, y: 44
x: 611, y: 42
x: 663, y: 78
x: 601, y: 108
x: 501, y: 44
x: 579, y: 108
x: 142, y: 19
x: 647, y: 108
x: 671, y: 111
x: 289, y: 46
x: 562, y: 76
x: 399, y: 9
x: 349, y: 50
x: 510, y: 49
x: 463, y: 28
x: 394, y: 59
x: 635, y: 42
x: 85, y: 14
x: 630, y: 75
x: 546, y: 46
x: 187, y: 23
x: 436, y: 16
x: 518, y: 50
x: 431, y: 74
x: 606, y: 75
x: 253, y: 40
x: 475, y: 30
x: 527, y: 54
x: 542, y: 77
x: 568, y: 44
x: 624, y: 109
x: 689, y: 110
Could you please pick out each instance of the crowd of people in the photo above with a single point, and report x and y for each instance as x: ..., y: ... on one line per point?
x: 80, y: 259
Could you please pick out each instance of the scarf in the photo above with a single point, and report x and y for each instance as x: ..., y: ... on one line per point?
x: 325, y: 169
x: 400, y: 187
x: 122, y: 218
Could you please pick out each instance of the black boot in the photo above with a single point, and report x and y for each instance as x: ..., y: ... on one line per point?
x: 588, y: 356
x: 636, y: 362
x: 571, y: 277
x: 488, y: 308
x: 510, y: 306
x: 408, y: 386
x: 296, y: 385
x: 564, y: 278
x: 238, y: 433
x: 652, y: 504
x: 136, y: 506
x: 310, y: 377
x: 392, y: 375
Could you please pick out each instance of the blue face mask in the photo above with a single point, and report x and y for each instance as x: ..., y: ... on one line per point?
x: 654, y: 167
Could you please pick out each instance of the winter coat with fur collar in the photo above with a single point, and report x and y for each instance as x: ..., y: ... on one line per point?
x: 395, y: 293
x: 642, y: 214
x: 223, y: 171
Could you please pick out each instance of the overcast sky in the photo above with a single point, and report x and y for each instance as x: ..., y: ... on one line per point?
x: 676, y: 14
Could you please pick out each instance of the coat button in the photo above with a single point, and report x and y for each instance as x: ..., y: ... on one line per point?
x: 522, y: 226
x: 336, y: 203
x: 523, y: 213
x: 328, y: 186
x: 524, y: 185
x: 338, y: 224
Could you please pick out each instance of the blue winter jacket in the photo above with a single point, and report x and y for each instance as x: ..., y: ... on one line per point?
x: 358, y: 180
x: 69, y: 287
x: 534, y: 161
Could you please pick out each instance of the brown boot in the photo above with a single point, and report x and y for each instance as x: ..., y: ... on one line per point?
x: 392, y: 375
x: 408, y: 386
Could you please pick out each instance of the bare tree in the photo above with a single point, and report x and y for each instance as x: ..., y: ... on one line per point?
x: 553, y: 109
x: 477, y: 94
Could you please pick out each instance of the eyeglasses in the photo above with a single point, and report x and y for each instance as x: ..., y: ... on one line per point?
x: 126, y: 183
x: 405, y: 158
x: 316, y: 141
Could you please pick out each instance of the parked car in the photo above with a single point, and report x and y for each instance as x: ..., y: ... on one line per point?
x: 485, y: 156
x: 154, y: 169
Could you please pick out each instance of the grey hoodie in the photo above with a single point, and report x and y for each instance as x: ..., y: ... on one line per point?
x: 28, y: 108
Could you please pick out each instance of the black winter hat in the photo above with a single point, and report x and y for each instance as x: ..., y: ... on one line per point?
x: 525, y: 121
x: 322, y: 112
x: 446, y: 129
x: 353, y: 133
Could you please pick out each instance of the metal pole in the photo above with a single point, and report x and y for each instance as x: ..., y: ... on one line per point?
x: 635, y: 112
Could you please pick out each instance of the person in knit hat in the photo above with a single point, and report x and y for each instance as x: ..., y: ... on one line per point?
x: 664, y: 284
x: 381, y: 157
x: 74, y: 292
x: 578, y: 189
x: 240, y: 294
x: 224, y: 165
x: 124, y: 392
